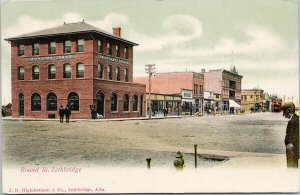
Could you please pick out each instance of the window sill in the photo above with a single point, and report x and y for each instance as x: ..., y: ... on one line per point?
x: 135, y: 111
x: 36, y: 111
x: 126, y: 112
x: 114, y: 112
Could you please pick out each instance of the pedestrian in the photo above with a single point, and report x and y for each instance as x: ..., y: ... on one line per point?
x: 67, y: 113
x: 165, y: 112
x: 292, y: 135
x: 61, y: 114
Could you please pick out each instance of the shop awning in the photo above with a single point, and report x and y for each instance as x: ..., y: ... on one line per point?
x: 233, y: 103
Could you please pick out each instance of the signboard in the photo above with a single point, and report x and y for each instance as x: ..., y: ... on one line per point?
x: 113, y: 59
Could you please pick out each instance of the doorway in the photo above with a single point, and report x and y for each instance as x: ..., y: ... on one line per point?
x: 141, y: 105
x: 100, y: 104
x: 21, y: 104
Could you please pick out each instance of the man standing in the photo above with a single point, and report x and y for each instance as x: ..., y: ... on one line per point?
x: 292, y: 134
x: 61, y: 114
x: 67, y: 113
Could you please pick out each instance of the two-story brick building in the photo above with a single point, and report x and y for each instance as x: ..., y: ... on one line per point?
x: 223, y: 89
x: 74, y: 64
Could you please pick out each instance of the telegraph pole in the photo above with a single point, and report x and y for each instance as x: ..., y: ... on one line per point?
x: 150, y: 69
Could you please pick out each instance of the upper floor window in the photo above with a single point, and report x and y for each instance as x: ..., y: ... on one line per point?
x: 51, y: 71
x: 100, y: 46
x: 126, y: 52
x: 35, y: 49
x: 117, y: 73
x: 35, y: 102
x: 67, y: 71
x: 21, y: 50
x: 109, y: 72
x: 80, y: 45
x: 52, y: 48
x: 117, y: 51
x: 79, y: 70
x: 21, y: 72
x: 126, y: 75
x: 100, y: 71
x: 35, y: 72
x: 67, y: 46
x: 109, y: 49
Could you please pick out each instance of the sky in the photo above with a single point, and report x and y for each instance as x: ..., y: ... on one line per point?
x: 258, y: 37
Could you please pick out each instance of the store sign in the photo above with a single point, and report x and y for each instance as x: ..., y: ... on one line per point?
x: 113, y: 59
x: 51, y: 58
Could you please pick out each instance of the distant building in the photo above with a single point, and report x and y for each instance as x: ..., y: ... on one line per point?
x: 253, y: 100
x: 222, y: 90
x: 186, y: 89
x: 75, y: 64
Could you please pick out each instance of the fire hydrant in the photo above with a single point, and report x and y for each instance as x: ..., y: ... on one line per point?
x: 179, y: 162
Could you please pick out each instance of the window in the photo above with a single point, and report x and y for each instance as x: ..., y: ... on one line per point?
x: 201, y: 89
x: 79, y: 70
x: 73, y: 101
x: 126, y: 52
x: 117, y: 51
x: 67, y: 71
x: 109, y: 72
x: 21, y: 72
x: 126, y: 102
x: 126, y: 74
x: 100, y: 46
x: 35, y: 49
x: 114, y: 102
x: 21, y: 50
x: 80, y: 45
x: 117, y: 73
x: 52, y: 48
x: 35, y: 72
x: 51, y: 71
x: 109, y: 49
x: 67, y: 46
x: 135, y: 103
x: 51, y: 102
x: 100, y: 71
x: 195, y: 89
x: 35, y: 102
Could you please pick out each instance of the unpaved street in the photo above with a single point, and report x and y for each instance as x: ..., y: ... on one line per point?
x: 129, y: 143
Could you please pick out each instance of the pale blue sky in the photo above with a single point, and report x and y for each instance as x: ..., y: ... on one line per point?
x: 258, y: 37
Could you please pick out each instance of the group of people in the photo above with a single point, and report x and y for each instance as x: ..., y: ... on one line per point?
x: 64, y: 112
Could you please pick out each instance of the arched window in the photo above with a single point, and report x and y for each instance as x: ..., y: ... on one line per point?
x: 35, y: 102
x: 100, y: 71
x: 114, y: 102
x: 35, y: 72
x: 135, y: 103
x: 117, y: 73
x: 51, y: 71
x: 21, y: 72
x: 67, y: 71
x: 73, y: 101
x: 126, y: 75
x: 79, y: 70
x: 126, y: 102
x: 109, y: 72
x: 51, y: 102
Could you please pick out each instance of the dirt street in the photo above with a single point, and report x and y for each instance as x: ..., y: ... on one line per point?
x: 129, y: 143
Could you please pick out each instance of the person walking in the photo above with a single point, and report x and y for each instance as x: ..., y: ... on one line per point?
x: 61, y: 114
x: 67, y: 113
x: 292, y: 135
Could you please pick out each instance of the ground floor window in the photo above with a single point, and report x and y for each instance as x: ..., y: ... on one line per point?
x: 135, y: 103
x: 73, y: 101
x: 51, y: 102
x: 114, y: 102
x: 126, y: 102
x: 35, y: 102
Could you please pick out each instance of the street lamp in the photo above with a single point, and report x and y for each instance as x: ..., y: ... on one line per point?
x: 150, y: 69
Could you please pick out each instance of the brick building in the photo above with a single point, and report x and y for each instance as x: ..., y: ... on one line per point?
x: 187, y: 85
x: 75, y: 64
x: 222, y: 89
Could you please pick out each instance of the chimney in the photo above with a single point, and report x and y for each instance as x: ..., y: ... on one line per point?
x: 202, y: 70
x: 117, y: 31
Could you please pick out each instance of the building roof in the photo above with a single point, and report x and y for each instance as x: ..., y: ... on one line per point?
x: 66, y: 29
x: 227, y: 71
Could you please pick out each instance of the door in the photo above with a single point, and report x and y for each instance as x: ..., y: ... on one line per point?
x: 21, y: 104
x: 100, y: 104
x: 141, y: 105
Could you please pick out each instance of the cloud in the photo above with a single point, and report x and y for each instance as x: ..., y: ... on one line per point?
x: 261, y: 40
x: 175, y: 29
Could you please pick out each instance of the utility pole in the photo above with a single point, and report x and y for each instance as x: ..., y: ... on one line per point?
x: 150, y: 69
